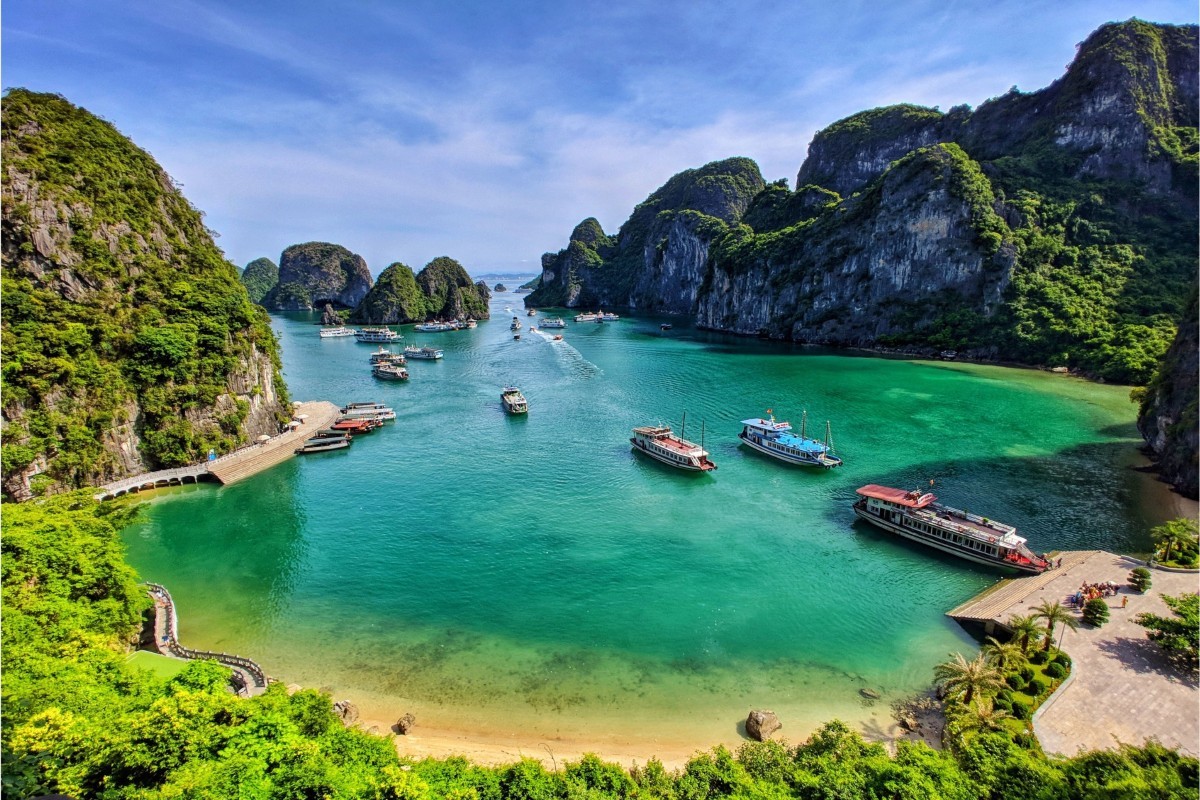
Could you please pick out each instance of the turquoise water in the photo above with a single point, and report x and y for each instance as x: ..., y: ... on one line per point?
x: 496, y: 573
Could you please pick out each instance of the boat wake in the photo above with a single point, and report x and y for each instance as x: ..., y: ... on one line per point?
x: 571, y: 359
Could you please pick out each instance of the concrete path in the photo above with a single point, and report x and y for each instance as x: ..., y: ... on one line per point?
x: 1122, y: 690
x: 247, y: 461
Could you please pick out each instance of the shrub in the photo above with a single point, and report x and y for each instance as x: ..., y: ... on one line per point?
x: 1095, y: 612
x: 1139, y: 578
x: 1020, y: 710
x: 1026, y: 740
x: 1016, y: 682
x: 1056, y: 670
x: 1027, y: 673
x: 1037, y: 687
x: 1063, y: 658
x: 1038, y: 657
x: 1002, y: 704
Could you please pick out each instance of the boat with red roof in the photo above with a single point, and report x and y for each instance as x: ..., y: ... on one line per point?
x: 917, y: 516
x: 658, y: 442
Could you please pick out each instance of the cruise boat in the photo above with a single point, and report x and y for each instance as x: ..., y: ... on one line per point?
x: 918, y: 517
x: 422, y: 353
x: 514, y: 402
x: 390, y: 372
x: 435, y: 327
x: 376, y: 411
x: 333, y: 333
x: 382, y: 356
x: 586, y: 317
x: 607, y: 317
x: 776, y: 440
x: 516, y: 325
x: 373, y: 335
x: 661, y: 444
x: 321, y: 445
x: 465, y: 323
x: 553, y: 322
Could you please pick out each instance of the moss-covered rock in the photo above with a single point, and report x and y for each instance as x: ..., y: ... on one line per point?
x: 260, y: 276
x: 316, y: 273
x: 394, y: 299
x: 450, y: 293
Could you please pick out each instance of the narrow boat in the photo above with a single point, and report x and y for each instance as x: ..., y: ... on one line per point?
x: 661, y: 444
x: 381, y: 334
x: 514, y: 402
x: 776, y: 440
x: 586, y: 317
x: 918, y: 517
x: 422, y: 353
x: 553, y: 322
x: 333, y: 333
x: 321, y: 445
x: 390, y: 372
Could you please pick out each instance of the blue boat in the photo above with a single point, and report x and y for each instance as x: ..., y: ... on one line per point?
x: 776, y: 440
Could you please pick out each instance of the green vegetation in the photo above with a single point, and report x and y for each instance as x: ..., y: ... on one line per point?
x: 449, y: 291
x: 260, y: 277
x: 136, y: 311
x: 1139, y: 578
x: 1053, y: 613
x: 395, y: 298
x: 81, y: 720
x: 1177, y: 541
x: 1095, y: 612
x: 1179, y: 634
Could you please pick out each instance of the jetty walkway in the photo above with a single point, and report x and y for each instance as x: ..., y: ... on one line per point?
x: 1121, y: 689
x: 241, y: 463
x: 248, y: 677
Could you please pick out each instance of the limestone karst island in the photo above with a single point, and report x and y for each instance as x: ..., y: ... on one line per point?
x: 611, y: 401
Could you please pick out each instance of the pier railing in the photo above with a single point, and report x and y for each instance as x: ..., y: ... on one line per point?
x: 173, y: 646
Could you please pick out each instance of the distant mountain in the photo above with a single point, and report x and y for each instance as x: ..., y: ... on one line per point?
x: 129, y: 343
x: 1057, y: 227
x: 260, y: 276
x: 442, y: 290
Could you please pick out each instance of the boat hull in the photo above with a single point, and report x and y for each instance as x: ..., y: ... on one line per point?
x: 641, y: 448
x: 785, y: 457
x: 912, y: 536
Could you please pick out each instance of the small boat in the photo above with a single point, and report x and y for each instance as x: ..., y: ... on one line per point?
x: 333, y: 333
x: 329, y: 433
x: 916, y: 516
x: 390, y: 372
x: 661, y: 444
x: 377, y: 413
x: 553, y: 322
x: 516, y: 325
x: 381, y: 334
x: 558, y: 337
x: 422, y: 353
x: 586, y: 317
x: 607, y: 317
x: 776, y: 440
x: 460, y: 324
x: 531, y: 312
x: 370, y: 404
x: 948, y: 355
x: 355, y: 425
x: 666, y: 326
x: 516, y: 336
x: 322, y: 445
x: 514, y: 402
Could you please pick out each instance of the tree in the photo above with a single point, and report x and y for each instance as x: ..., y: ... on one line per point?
x: 1053, y: 613
x: 980, y: 716
x: 1139, y: 578
x: 1005, y: 656
x: 1025, y: 629
x: 1178, y: 635
x: 1095, y: 612
x: 1177, y: 535
x: 960, y: 676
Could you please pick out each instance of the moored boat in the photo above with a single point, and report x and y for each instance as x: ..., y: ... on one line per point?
x: 513, y: 401
x: 321, y: 445
x: 368, y: 411
x: 435, y: 327
x: 776, y: 440
x: 608, y: 317
x: 422, y: 353
x: 553, y: 322
x: 333, y: 333
x: 379, y: 334
x: 355, y: 425
x: 586, y: 317
x: 660, y: 443
x: 382, y: 356
x: 390, y: 372
x: 918, y: 517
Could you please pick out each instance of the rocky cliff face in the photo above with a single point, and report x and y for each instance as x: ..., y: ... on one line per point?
x: 129, y: 342
x: 1056, y: 227
x: 260, y: 277
x: 449, y: 292
x: 316, y: 273
x: 393, y: 300
x: 1168, y: 419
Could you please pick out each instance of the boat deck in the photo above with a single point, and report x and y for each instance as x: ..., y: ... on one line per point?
x: 959, y: 524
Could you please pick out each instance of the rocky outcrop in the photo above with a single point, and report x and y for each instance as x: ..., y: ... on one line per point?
x: 316, y: 273
x: 346, y: 711
x: 393, y: 300
x: 260, y: 277
x: 500, y: 287
x: 329, y: 316
x: 1168, y: 416
x: 449, y: 292
x: 405, y: 724
x: 760, y: 725
x: 129, y: 342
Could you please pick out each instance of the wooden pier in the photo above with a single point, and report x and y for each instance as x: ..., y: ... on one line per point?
x: 241, y: 463
x: 997, y: 603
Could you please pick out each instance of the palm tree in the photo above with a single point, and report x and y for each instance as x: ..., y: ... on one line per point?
x: 1024, y: 629
x: 981, y: 717
x: 1005, y: 656
x: 1053, y: 613
x: 1176, y: 533
x: 960, y: 676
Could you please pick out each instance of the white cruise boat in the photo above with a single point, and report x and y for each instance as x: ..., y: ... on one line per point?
x: 775, y: 439
x: 376, y: 335
x: 513, y: 401
x: 661, y: 444
x: 422, y: 353
x: 390, y: 372
x: 333, y: 333
x: 918, y: 517
x: 586, y: 317
x: 553, y: 322
x: 435, y: 327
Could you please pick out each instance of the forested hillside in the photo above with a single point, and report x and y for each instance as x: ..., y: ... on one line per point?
x: 129, y: 342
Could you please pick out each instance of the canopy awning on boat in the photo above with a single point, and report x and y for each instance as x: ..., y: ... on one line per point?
x: 900, y: 497
x: 767, y: 424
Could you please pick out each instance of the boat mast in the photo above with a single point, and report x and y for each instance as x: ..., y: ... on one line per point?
x: 803, y: 422
x: 828, y: 437
x: 683, y: 430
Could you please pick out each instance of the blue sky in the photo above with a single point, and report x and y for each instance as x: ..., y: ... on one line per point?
x: 486, y: 130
